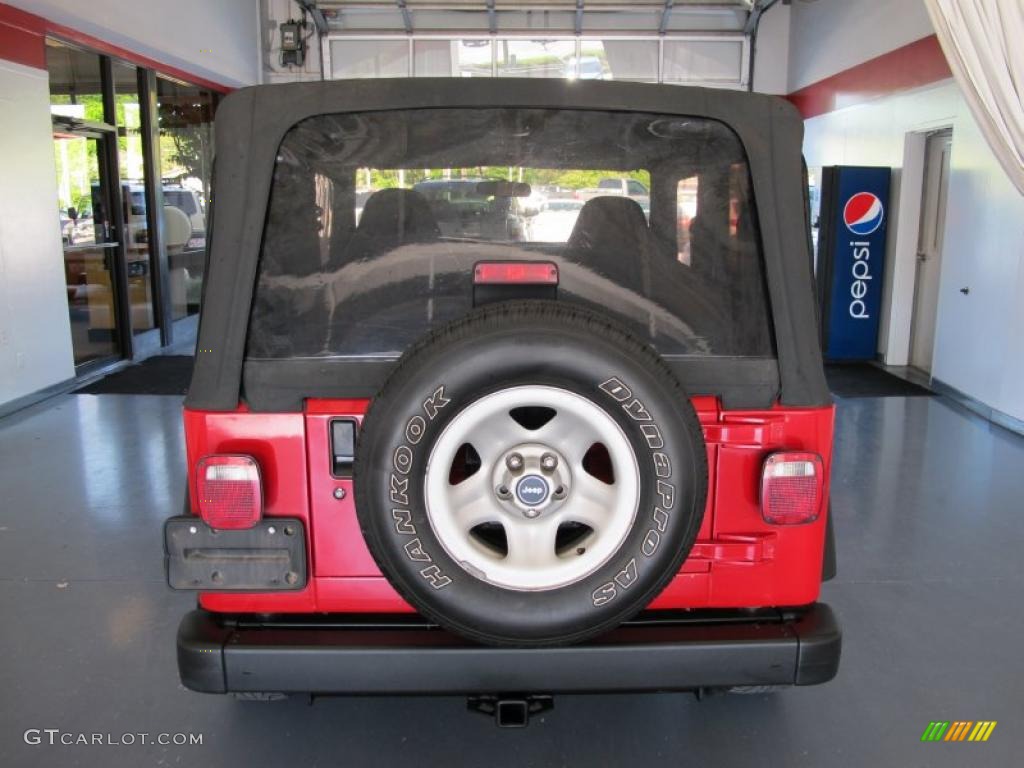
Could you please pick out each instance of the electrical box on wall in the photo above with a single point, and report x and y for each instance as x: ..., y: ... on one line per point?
x: 293, y: 43
x: 851, y: 259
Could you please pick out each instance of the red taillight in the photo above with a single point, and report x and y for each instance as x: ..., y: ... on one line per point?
x: 515, y: 272
x: 228, y: 491
x: 791, y: 488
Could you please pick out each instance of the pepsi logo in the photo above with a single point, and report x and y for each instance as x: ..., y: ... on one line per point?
x: 532, y: 489
x: 863, y: 213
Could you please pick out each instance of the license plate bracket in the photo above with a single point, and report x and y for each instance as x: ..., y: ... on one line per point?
x: 270, y: 556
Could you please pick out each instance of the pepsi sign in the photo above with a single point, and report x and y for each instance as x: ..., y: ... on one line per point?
x: 851, y: 259
x: 863, y: 213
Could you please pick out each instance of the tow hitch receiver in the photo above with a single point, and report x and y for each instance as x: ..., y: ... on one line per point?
x: 510, y: 710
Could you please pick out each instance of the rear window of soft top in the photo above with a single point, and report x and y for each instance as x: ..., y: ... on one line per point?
x: 376, y: 219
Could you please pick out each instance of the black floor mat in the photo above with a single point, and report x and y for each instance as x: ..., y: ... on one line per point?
x: 866, y: 380
x: 161, y: 375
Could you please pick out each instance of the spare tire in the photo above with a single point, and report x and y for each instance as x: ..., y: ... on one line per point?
x: 530, y: 474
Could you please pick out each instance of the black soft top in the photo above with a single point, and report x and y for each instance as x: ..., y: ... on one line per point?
x: 252, y: 122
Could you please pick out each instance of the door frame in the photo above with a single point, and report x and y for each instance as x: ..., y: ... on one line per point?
x: 901, y: 259
x: 147, y: 343
x: 107, y: 158
x: 154, y: 191
x: 940, y: 203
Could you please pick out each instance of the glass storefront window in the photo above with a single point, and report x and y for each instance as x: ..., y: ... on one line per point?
x: 613, y: 54
x: 611, y: 59
x: 536, y: 58
x: 452, y: 58
x: 703, y: 61
x: 76, y: 89
x: 105, y: 174
x: 186, y: 161
x: 369, y: 58
x: 75, y: 94
x: 84, y: 199
x: 140, y: 266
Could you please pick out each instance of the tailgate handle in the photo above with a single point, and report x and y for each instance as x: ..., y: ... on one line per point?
x: 343, y: 446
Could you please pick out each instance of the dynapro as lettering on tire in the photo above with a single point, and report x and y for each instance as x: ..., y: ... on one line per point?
x: 661, y: 514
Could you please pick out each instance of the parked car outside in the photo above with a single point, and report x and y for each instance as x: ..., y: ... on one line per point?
x: 556, y: 220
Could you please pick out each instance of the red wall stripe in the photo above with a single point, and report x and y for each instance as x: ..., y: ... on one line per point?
x: 912, y: 66
x: 88, y: 41
x: 23, y: 40
x: 22, y: 37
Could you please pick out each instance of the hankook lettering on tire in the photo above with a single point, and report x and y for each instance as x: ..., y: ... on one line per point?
x: 401, y: 462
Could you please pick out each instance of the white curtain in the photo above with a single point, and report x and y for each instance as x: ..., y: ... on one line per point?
x: 984, y: 43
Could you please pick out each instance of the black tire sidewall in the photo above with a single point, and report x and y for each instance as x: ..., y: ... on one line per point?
x: 440, y: 378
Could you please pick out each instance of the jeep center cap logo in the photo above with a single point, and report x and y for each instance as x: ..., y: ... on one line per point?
x: 532, y: 490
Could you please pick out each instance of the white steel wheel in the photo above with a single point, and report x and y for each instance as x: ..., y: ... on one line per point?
x: 532, y: 488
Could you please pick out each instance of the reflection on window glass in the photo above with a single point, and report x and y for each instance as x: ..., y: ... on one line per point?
x: 369, y: 58
x: 130, y: 164
x: 77, y: 187
x: 686, y: 211
x: 186, y: 156
x: 712, y: 62
x: 535, y: 58
x: 618, y: 60
x: 75, y: 89
x: 88, y: 256
x: 83, y: 202
x: 75, y: 95
x: 452, y: 58
x: 704, y: 61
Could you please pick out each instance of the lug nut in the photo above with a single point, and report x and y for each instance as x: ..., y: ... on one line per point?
x: 548, y: 462
x: 531, y: 513
x: 559, y: 493
x: 514, y: 462
x: 503, y: 491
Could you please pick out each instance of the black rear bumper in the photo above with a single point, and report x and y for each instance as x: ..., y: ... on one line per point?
x: 375, y: 655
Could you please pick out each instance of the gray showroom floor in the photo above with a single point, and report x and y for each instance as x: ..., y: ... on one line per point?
x: 930, y: 524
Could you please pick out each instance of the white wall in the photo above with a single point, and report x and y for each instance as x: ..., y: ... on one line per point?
x: 215, y: 39
x: 980, y: 337
x: 979, y: 346
x: 35, y: 336
x: 771, y: 51
x: 829, y: 36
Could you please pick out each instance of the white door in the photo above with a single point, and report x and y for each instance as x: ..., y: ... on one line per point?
x: 929, y: 249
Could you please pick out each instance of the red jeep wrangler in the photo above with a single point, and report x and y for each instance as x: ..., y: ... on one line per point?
x: 453, y: 430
